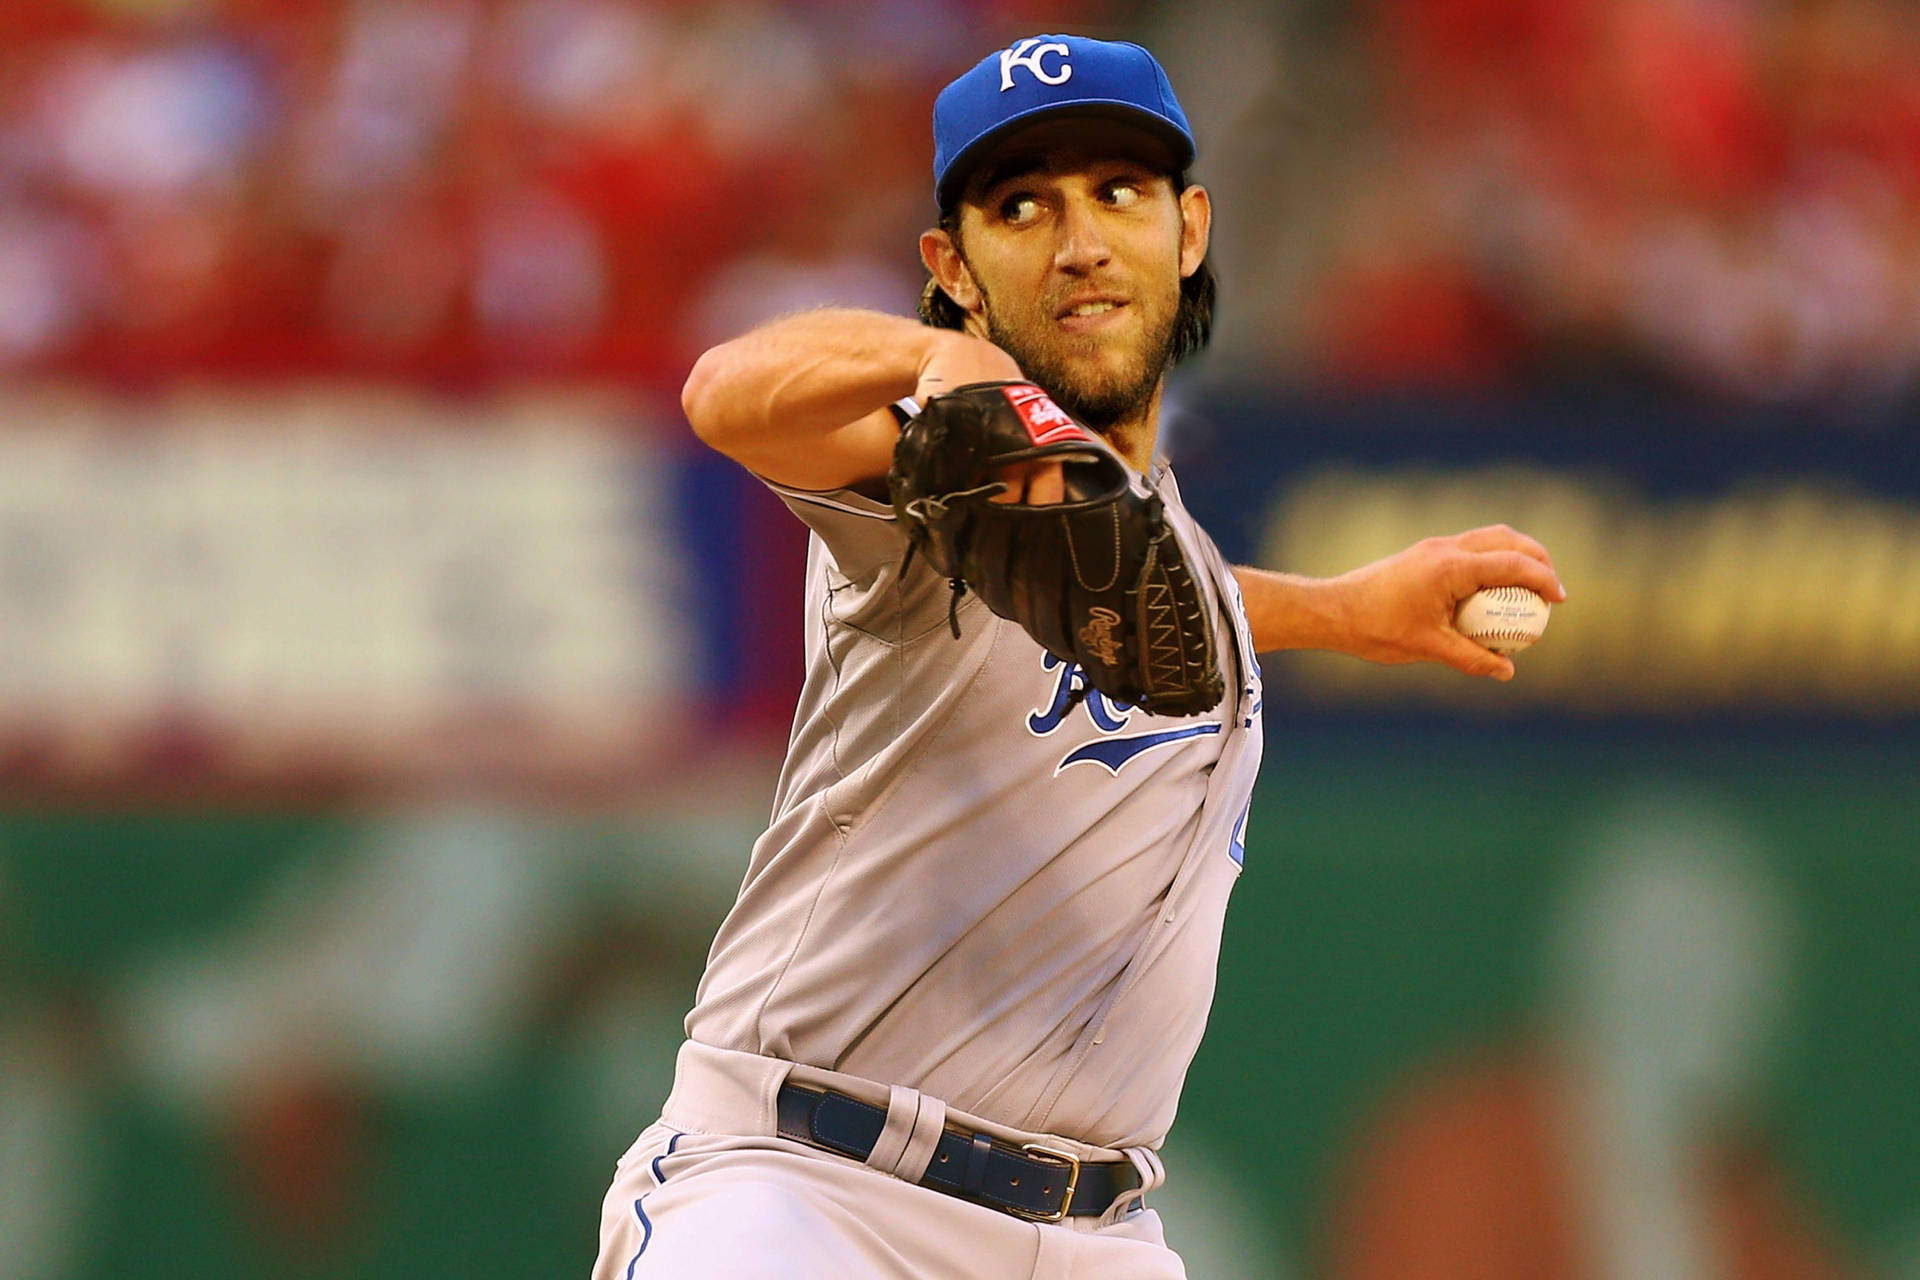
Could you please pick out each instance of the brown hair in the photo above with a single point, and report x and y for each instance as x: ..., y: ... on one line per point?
x: 1192, y: 324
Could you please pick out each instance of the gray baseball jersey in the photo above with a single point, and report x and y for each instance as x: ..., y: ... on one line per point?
x: 975, y: 883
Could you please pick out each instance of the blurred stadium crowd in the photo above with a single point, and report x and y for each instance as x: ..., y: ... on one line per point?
x: 1722, y: 195
x: 445, y: 188
x: 1725, y: 193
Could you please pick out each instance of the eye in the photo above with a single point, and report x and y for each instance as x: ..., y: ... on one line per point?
x: 1019, y: 208
x: 1123, y: 195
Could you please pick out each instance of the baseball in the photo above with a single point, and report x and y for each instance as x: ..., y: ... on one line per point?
x: 1504, y: 619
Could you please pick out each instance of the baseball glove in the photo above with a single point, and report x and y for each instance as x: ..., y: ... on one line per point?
x: 1098, y: 579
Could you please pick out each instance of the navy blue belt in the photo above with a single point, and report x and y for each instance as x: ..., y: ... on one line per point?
x: 1032, y: 1181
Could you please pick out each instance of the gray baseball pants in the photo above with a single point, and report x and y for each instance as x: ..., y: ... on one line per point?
x: 709, y: 1193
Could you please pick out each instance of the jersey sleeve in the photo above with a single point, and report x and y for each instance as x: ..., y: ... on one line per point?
x: 858, y: 530
x: 876, y: 588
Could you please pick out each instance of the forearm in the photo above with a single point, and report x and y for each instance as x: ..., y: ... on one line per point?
x: 1400, y: 608
x: 802, y: 400
x: 1288, y: 611
x: 808, y: 373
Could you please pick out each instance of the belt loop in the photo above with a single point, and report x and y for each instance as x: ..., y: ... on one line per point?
x: 903, y: 1107
x: 928, y: 1127
x: 1153, y: 1173
x: 976, y: 1174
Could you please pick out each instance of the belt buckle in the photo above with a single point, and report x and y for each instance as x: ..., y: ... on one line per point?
x: 1073, y: 1181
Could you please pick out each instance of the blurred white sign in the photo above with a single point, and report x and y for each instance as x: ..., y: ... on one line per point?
x: 349, y: 583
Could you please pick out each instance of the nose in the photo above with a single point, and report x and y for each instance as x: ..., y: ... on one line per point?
x: 1082, y: 246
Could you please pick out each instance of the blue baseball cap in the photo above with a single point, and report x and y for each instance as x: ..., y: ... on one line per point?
x: 1039, y: 76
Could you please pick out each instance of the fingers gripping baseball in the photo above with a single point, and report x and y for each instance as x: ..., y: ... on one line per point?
x: 1500, y: 537
x: 1497, y: 556
x: 1404, y: 605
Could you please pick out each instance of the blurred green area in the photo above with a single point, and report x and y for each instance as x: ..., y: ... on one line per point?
x: 226, y: 1058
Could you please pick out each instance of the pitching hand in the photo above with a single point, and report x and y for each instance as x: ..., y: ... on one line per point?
x: 1401, y: 608
x: 957, y: 359
x: 1033, y: 483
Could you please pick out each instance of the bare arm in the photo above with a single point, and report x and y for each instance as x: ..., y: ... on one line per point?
x: 1399, y: 609
x: 803, y: 401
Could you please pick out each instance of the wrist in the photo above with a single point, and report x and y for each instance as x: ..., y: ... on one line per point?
x: 1348, y: 619
x: 1332, y: 612
x: 952, y: 359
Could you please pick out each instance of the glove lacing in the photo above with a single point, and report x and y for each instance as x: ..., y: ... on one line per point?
x: 933, y: 508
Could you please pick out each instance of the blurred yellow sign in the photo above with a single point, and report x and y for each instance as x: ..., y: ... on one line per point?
x: 1777, y: 595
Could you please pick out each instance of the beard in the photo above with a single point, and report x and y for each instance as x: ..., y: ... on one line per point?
x: 1093, y: 396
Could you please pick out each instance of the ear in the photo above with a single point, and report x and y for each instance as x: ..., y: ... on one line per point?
x: 949, y: 270
x: 1196, y: 228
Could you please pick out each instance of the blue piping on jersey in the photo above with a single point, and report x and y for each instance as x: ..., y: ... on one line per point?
x: 658, y: 1176
x: 646, y: 1226
x: 833, y: 504
x: 645, y: 1239
x: 1112, y: 754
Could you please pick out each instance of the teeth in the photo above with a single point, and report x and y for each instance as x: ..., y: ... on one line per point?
x: 1092, y: 308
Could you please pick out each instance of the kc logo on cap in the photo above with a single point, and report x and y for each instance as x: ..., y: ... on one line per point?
x: 1028, y: 54
x: 1041, y: 76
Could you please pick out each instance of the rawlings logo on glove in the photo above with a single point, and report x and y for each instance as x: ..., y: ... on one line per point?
x: 1098, y: 579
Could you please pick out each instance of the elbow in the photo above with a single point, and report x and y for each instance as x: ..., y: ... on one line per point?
x: 699, y: 398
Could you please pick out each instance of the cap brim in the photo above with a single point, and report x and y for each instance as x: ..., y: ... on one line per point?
x: 968, y: 158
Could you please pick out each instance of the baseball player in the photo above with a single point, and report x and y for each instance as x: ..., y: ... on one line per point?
x: 943, y: 1030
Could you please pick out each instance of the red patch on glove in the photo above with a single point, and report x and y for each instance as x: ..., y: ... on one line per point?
x: 1046, y: 422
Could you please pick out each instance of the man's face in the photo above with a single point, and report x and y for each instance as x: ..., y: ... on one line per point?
x: 1076, y: 241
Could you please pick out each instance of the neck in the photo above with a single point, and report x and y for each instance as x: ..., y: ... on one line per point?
x: 1136, y: 434
x: 1133, y: 435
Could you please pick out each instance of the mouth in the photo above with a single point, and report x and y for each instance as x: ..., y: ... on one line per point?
x: 1089, y: 312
